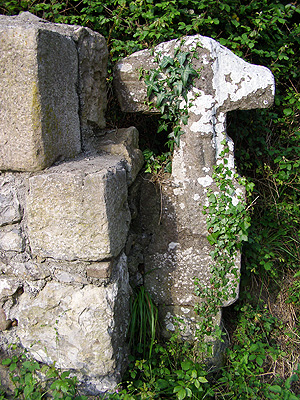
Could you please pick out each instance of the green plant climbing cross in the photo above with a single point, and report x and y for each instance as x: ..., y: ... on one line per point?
x: 228, y: 222
x: 169, y: 85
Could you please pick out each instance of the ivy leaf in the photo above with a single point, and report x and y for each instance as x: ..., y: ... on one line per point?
x: 167, y: 60
x: 186, y: 73
x: 182, y: 57
x: 160, y: 98
x: 162, y: 127
x: 151, y: 86
x: 213, y: 238
x: 178, y: 88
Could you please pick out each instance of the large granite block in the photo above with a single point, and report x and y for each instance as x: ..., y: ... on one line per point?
x: 79, y: 210
x: 39, y: 121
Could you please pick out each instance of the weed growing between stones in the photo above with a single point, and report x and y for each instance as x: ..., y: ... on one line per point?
x: 142, y: 330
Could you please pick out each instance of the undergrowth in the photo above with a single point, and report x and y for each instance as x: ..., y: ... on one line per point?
x: 263, y: 327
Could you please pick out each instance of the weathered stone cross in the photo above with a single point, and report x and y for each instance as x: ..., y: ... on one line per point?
x: 179, y: 250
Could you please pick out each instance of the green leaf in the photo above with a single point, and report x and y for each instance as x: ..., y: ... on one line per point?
x: 186, y: 73
x: 180, y: 392
x: 167, y: 60
x: 186, y: 365
x: 178, y: 88
x: 287, y: 111
x: 12, y: 367
x: 150, y: 88
x: 202, y: 379
x: 275, y: 389
x: 259, y: 361
x: 160, y: 98
x: 162, y: 384
x: 182, y: 56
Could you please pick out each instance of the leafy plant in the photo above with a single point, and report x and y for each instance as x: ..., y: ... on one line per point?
x: 34, y: 381
x: 167, y: 89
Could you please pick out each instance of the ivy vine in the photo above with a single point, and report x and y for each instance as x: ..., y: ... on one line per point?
x: 167, y: 89
x: 228, y: 222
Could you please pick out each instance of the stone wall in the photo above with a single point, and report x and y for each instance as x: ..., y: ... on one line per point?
x: 75, y: 221
x: 64, y: 214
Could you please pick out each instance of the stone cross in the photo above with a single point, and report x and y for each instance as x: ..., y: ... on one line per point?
x: 179, y: 249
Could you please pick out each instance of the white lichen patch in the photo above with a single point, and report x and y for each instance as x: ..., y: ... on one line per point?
x: 172, y: 246
x: 185, y: 310
x: 201, y: 102
x: 196, y: 197
x: 178, y: 191
x: 205, y: 180
x: 168, y: 322
x: 244, y: 79
x: 4, y: 285
x: 124, y: 67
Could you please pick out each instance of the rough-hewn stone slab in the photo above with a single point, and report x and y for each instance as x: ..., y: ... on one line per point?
x: 39, y: 120
x: 78, y: 210
x: 53, y: 83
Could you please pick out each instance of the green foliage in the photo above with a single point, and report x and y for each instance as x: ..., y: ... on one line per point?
x: 170, y: 373
x: 253, y: 355
x: 167, y: 88
x: 174, y: 370
x: 228, y: 222
x: 33, y: 381
x: 294, y: 291
x: 267, y: 151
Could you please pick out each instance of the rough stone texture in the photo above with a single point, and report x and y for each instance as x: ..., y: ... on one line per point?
x: 100, y: 270
x: 11, y: 239
x: 82, y: 328
x: 10, y: 211
x: 179, y: 250
x: 93, y: 55
x: 79, y: 210
x: 226, y: 81
x: 92, y: 62
x: 64, y: 290
x: 125, y: 143
x: 38, y: 101
x: 53, y: 79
